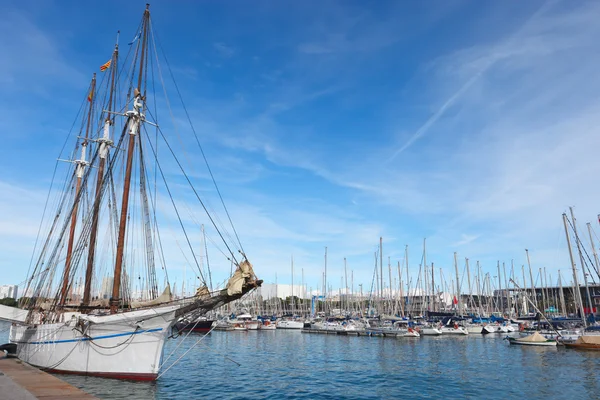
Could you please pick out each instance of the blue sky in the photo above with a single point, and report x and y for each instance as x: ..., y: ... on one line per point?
x: 473, y: 124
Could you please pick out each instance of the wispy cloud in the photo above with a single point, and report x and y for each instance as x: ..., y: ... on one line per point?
x: 224, y: 50
x: 482, y: 64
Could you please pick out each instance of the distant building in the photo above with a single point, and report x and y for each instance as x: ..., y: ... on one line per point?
x: 9, y: 291
x: 106, y: 289
x: 271, y: 291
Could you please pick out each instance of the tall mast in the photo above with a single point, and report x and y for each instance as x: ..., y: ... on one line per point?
x: 105, y: 142
x: 426, y: 291
x: 400, y: 294
x: 325, y: 284
x: 500, y: 298
x: 545, y: 300
x: 524, y: 287
x: 575, y: 281
x: 479, y: 288
x: 79, y: 170
x: 533, y: 293
x: 562, y: 295
x: 381, y: 267
x: 303, y: 291
x: 346, y: 279
x: 408, y: 302
x: 585, y: 280
x: 597, y: 264
x: 292, y: 285
x: 390, y: 275
x: 135, y: 117
x: 508, y: 303
x: 457, y: 285
x: 433, y: 288
x: 353, y: 293
x: 469, y: 283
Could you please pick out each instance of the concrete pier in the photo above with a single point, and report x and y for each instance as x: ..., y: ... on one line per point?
x: 20, y: 381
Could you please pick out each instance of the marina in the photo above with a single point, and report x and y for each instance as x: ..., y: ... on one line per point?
x: 345, y: 367
x: 267, y: 201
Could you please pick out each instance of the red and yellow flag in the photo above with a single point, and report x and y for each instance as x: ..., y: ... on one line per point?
x: 90, y: 96
x: 105, y: 66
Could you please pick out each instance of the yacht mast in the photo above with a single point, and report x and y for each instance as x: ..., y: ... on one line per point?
x: 577, y: 291
x: 105, y: 142
x: 597, y: 264
x: 457, y: 286
x: 381, y: 268
x: 79, y: 170
x: 135, y: 118
x: 292, y: 285
x: 582, y: 260
x: 533, y: 293
x: 433, y: 289
x: 470, y: 301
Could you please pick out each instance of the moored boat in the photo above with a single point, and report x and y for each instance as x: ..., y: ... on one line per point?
x: 430, y: 330
x: 201, y: 325
x: 535, y: 339
x: 290, y: 324
x: 585, y: 342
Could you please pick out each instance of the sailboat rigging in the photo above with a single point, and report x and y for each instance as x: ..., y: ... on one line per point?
x: 105, y: 232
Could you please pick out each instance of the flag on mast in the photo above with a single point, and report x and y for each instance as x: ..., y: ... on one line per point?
x: 106, y: 65
x: 135, y: 38
x: 90, y: 96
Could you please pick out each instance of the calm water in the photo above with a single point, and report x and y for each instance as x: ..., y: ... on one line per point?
x: 306, y: 366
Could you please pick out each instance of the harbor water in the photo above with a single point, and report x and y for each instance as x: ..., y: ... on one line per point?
x: 295, y: 365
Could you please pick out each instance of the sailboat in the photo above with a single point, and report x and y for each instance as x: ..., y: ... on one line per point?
x: 69, y: 328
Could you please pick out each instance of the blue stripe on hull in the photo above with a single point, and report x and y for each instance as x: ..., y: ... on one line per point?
x: 85, y: 339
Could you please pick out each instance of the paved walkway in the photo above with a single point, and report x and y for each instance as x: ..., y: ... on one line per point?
x: 20, y: 381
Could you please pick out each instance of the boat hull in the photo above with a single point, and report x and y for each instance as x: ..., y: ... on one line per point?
x: 521, y: 343
x: 283, y: 324
x: 198, y: 326
x: 125, y: 346
x: 454, y: 331
x: 430, y: 332
x: 474, y: 329
x: 583, y: 346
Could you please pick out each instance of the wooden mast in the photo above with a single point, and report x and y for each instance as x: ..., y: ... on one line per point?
x: 134, y: 120
x: 104, y: 142
x: 81, y: 163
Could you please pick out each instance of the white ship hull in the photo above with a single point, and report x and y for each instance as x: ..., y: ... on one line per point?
x: 446, y: 330
x: 431, y: 331
x: 127, y: 345
x: 284, y: 324
x: 474, y: 329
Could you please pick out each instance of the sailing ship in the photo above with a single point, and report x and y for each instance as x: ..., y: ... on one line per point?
x: 65, y: 326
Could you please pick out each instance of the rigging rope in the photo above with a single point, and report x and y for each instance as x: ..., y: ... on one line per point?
x: 194, y: 131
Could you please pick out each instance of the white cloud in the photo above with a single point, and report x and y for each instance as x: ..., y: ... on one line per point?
x: 224, y: 50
